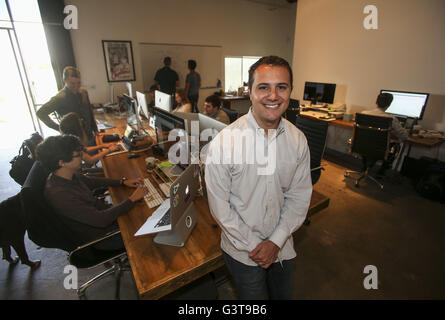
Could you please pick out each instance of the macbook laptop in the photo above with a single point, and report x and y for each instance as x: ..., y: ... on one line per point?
x: 176, y: 217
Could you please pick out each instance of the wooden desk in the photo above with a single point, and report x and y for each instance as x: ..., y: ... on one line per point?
x: 227, y: 100
x: 160, y: 269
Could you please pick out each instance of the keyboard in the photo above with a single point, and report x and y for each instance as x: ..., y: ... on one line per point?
x: 153, y: 198
x: 165, y: 220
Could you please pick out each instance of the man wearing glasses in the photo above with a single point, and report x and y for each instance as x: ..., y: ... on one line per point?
x: 70, y: 193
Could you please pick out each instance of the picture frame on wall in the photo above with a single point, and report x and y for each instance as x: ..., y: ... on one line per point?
x: 119, y: 63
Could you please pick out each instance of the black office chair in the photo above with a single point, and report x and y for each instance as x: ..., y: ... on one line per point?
x: 370, y: 140
x: 315, y: 132
x: 48, y: 229
x: 233, y: 114
x: 293, y: 111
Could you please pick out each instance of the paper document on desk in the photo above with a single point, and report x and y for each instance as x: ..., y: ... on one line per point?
x: 149, y: 225
x: 102, y: 125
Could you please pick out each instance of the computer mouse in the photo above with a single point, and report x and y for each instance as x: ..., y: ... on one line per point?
x: 133, y: 155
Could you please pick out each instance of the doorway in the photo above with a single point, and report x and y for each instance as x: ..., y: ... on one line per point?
x: 27, y: 81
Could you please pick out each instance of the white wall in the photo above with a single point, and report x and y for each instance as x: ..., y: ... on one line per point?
x: 240, y: 27
x: 406, y: 52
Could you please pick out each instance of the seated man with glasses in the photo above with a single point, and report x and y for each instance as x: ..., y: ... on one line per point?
x: 70, y: 193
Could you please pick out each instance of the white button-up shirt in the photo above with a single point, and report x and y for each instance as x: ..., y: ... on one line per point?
x: 252, y: 204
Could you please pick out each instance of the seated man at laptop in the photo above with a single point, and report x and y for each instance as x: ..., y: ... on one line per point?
x: 212, y: 108
x: 70, y: 193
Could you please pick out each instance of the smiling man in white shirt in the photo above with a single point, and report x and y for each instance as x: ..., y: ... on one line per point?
x: 258, y: 210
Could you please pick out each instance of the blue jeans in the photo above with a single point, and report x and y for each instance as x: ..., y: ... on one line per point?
x: 256, y: 283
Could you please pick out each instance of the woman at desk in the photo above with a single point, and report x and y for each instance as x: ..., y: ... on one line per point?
x: 71, y: 124
x: 183, y: 103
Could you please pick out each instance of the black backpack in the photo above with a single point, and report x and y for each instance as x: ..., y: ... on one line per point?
x: 22, y: 163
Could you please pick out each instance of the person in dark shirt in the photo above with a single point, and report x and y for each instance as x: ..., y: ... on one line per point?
x: 72, y: 98
x: 192, y: 85
x: 167, y: 78
x: 70, y: 193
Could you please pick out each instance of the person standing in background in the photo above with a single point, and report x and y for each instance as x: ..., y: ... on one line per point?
x: 166, y: 78
x: 192, y: 85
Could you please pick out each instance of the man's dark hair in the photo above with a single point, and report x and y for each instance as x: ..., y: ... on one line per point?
x: 69, y: 72
x: 167, y: 61
x: 191, y: 64
x: 214, y: 100
x: 384, y: 100
x: 56, y: 148
x: 272, y: 61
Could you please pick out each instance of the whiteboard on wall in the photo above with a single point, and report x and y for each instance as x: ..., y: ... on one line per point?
x: 208, y: 59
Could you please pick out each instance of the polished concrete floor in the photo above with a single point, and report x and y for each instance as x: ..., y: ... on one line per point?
x: 395, y: 230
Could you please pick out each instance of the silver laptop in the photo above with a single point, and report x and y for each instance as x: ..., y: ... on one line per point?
x: 176, y: 217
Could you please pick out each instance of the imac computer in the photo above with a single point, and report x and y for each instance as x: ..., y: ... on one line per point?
x: 188, y: 117
x: 208, y: 129
x: 129, y: 89
x: 407, y: 104
x: 164, y: 123
x: 163, y: 101
x: 319, y: 92
x: 132, y: 114
x: 142, y: 102
x: 206, y: 122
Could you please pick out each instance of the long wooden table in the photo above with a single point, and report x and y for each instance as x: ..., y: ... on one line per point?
x: 160, y: 269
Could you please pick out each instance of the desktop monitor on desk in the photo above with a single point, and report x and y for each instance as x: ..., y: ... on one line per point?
x: 319, y: 92
x: 129, y: 89
x: 407, y: 104
x: 142, y: 102
x: 164, y: 123
x: 163, y: 101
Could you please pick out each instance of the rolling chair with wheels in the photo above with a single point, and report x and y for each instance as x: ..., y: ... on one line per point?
x: 315, y: 132
x: 293, y: 111
x: 370, y: 140
x: 48, y: 229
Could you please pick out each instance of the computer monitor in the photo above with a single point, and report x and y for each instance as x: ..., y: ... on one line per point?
x: 163, y: 101
x: 319, y: 92
x: 164, y: 123
x: 206, y: 122
x: 131, y: 111
x: 407, y: 104
x: 129, y: 89
x: 188, y: 117
x: 142, y: 102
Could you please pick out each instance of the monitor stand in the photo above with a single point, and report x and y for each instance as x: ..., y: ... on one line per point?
x: 181, y: 231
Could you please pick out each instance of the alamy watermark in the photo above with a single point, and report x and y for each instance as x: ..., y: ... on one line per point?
x: 71, y: 20
x: 371, y: 20
x: 235, y: 146
x: 371, y: 280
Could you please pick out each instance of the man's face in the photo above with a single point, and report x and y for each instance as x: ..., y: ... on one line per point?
x: 270, y: 95
x: 76, y: 162
x: 209, y: 109
x: 73, y: 84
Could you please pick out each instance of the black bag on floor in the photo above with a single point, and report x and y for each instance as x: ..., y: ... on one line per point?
x: 21, y: 164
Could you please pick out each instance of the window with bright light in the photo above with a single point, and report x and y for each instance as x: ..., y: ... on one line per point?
x: 237, y: 71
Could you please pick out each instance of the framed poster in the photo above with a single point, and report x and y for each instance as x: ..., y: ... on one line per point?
x: 119, y: 62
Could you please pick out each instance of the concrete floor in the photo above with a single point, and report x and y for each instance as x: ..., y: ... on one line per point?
x: 395, y: 230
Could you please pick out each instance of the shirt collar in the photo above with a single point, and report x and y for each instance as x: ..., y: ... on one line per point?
x: 254, y: 125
